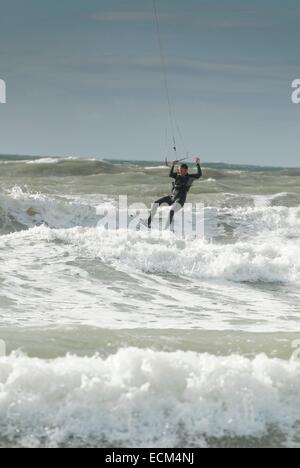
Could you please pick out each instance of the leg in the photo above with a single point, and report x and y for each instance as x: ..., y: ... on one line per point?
x: 156, y: 205
x: 176, y: 206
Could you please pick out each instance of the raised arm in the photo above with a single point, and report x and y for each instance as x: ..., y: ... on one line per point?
x: 173, y: 174
x: 199, y: 170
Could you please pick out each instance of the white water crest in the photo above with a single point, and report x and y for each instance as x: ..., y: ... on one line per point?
x: 138, y: 398
x: 148, y: 280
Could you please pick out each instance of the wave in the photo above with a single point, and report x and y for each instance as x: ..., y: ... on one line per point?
x: 29, y: 209
x: 73, y: 166
x: 21, y: 210
x: 51, y: 167
x: 258, y: 244
x: 165, y: 254
x: 46, y: 161
x: 261, y: 221
x: 143, y: 398
x: 239, y: 262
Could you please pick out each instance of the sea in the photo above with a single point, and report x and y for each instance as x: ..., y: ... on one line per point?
x: 115, y: 337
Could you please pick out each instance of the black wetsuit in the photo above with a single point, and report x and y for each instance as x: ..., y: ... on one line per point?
x: 181, y: 187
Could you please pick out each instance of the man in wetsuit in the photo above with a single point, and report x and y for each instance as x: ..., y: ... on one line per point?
x: 181, y: 187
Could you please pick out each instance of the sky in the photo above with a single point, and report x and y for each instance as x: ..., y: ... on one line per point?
x: 84, y: 78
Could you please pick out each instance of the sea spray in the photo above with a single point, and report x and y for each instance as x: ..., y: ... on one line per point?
x: 138, y: 398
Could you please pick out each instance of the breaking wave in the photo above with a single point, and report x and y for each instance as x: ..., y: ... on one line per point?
x: 262, y: 244
x: 140, y: 398
x: 164, y: 254
x: 22, y: 210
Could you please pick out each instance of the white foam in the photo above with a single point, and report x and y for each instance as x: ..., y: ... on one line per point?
x: 140, y: 398
x: 262, y: 201
x: 153, y: 168
x: 130, y: 279
x: 52, y: 160
x: 162, y: 253
x: 44, y: 161
x: 262, y: 221
x: 95, y: 279
x: 210, y: 181
x: 31, y: 209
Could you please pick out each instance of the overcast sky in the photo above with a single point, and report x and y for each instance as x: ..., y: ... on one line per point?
x: 84, y: 78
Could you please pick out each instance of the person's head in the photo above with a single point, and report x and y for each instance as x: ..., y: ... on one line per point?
x: 184, y: 169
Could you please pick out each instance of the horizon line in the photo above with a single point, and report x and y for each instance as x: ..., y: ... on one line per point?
x: 98, y: 158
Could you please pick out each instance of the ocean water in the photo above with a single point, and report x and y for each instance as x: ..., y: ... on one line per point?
x: 130, y: 339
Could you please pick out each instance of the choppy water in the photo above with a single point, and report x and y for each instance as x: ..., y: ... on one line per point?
x: 171, y: 341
